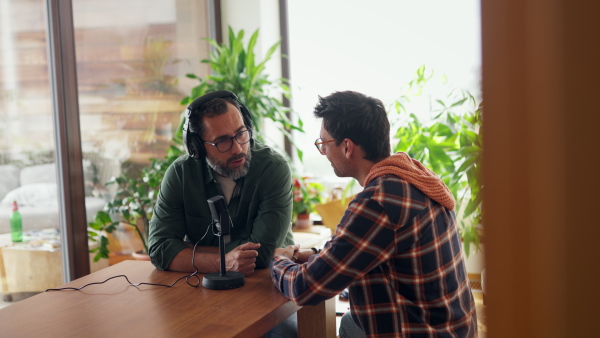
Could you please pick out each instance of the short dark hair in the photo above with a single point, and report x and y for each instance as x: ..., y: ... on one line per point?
x: 214, y: 107
x: 358, y: 117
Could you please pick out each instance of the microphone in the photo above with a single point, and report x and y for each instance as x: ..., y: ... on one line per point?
x: 220, y: 214
x: 222, y: 222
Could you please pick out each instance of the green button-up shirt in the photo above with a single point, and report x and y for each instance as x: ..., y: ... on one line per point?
x: 260, y: 208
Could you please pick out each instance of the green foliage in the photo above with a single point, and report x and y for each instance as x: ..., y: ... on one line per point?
x: 133, y: 205
x: 235, y: 69
x: 134, y: 201
x: 450, y: 144
x: 306, y: 195
x: 149, y: 71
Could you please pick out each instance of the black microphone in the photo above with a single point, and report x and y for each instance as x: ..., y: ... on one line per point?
x: 220, y: 214
x: 224, y: 279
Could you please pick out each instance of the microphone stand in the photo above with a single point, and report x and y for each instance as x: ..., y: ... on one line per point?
x: 223, y: 272
x: 223, y: 279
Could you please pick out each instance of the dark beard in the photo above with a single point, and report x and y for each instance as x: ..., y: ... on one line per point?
x: 233, y: 173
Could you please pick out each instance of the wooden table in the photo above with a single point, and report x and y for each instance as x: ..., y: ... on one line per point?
x: 117, y: 309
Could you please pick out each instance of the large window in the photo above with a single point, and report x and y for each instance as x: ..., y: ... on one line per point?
x: 27, y: 167
x: 131, y: 66
x: 131, y: 61
x: 131, y: 74
x: 375, y: 48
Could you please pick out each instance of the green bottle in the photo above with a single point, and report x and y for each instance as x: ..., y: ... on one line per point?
x: 16, y: 228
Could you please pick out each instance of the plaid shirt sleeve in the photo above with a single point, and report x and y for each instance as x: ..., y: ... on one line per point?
x: 400, y: 255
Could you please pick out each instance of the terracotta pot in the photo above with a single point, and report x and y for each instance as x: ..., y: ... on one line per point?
x: 138, y: 255
x: 303, y: 222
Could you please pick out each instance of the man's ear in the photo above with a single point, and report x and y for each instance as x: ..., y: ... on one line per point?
x: 349, y: 147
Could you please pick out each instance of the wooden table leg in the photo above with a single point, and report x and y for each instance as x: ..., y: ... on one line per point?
x: 318, y: 320
x: 3, y: 285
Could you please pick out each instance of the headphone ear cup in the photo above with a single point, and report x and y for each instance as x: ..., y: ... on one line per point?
x: 198, y: 146
x: 246, y: 116
x: 193, y: 144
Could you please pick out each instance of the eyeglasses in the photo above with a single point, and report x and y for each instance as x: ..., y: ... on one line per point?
x: 226, y: 143
x: 319, y: 144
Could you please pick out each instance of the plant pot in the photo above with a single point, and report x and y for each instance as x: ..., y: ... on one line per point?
x: 303, y: 222
x: 140, y: 256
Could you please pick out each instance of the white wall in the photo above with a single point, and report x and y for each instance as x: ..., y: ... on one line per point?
x: 375, y: 48
x: 250, y: 15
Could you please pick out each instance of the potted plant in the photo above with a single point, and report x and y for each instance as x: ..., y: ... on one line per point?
x: 450, y: 144
x: 306, y: 195
x: 133, y: 203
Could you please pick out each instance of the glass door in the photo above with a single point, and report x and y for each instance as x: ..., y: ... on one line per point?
x: 28, y: 170
x: 131, y: 59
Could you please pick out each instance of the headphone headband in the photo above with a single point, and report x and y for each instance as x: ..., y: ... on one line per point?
x: 209, y: 96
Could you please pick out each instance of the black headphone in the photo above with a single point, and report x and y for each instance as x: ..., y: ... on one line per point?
x: 193, y: 142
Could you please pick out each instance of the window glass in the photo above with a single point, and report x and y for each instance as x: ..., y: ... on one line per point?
x: 132, y: 58
x: 375, y: 48
x: 27, y: 154
x: 131, y: 61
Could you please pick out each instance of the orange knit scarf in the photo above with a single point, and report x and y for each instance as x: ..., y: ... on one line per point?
x: 415, y: 173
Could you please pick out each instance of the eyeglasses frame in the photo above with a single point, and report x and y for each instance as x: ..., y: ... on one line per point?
x: 317, y: 143
x: 234, y: 137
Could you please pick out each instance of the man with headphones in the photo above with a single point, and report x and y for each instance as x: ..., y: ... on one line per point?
x: 222, y: 159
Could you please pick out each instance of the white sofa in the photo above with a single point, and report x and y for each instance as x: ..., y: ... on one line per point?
x: 35, y: 190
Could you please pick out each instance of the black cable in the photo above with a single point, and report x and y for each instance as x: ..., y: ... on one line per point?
x: 187, y: 277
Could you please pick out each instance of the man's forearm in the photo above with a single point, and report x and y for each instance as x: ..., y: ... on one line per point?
x: 206, y: 260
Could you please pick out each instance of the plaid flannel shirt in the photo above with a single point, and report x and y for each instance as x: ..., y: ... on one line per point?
x: 399, y: 253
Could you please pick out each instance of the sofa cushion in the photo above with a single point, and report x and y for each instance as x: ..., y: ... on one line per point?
x: 44, y: 217
x: 34, y: 195
x: 9, y: 179
x: 46, y: 173
x: 39, y: 173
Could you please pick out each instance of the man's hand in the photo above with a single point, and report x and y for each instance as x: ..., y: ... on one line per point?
x: 288, y: 251
x: 242, y: 258
x: 302, y: 256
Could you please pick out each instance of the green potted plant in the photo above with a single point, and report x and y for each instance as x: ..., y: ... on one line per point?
x: 450, y: 144
x: 306, y: 195
x: 133, y: 202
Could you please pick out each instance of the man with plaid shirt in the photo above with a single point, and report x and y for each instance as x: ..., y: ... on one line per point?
x: 397, y: 248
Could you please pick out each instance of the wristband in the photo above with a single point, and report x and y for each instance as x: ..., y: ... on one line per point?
x: 316, y: 251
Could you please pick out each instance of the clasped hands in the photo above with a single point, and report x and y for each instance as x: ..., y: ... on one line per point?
x: 242, y: 259
x: 294, y: 253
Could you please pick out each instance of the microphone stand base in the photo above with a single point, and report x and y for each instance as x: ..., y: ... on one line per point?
x: 230, y: 280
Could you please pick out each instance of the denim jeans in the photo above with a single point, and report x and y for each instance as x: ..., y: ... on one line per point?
x: 286, y: 329
x: 349, y: 328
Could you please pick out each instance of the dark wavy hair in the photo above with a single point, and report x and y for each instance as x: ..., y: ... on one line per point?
x: 214, y: 107
x: 358, y: 117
